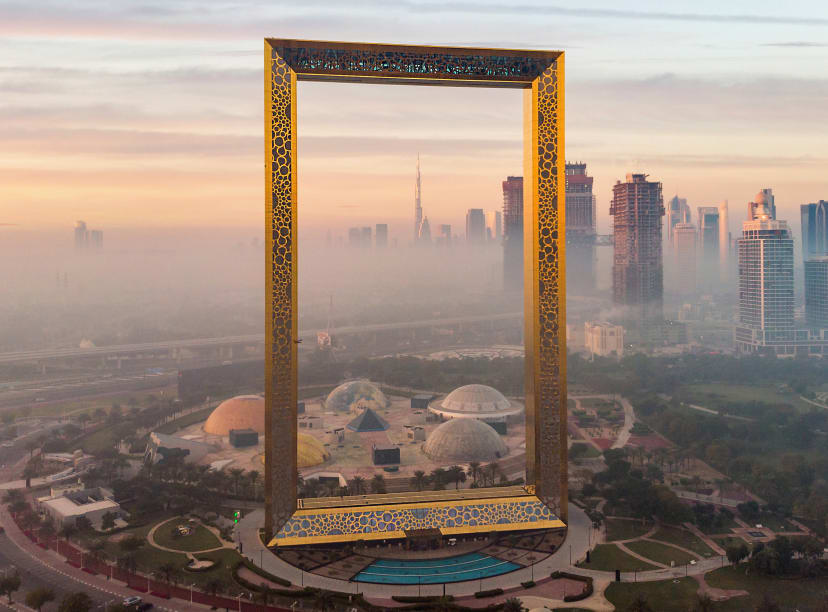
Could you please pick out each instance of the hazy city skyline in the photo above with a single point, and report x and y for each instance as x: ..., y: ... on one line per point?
x: 152, y: 116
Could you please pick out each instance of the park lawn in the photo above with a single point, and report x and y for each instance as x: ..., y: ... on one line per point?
x: 608, y: 558
x: 89, y: 405
x: 683, y: 538
x: 777, y: 524
x: 227, y: 558
x: 730, y: 541
x: 724, y: 527
x: 661, y: 595
x: 659, y: 552
x: 619, y: 529
x: 743, y: 393
x: 803, y: 594
x: 105, y: 438
x: 201, y: 538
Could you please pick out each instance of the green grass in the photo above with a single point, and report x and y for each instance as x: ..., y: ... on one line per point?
x: 201, y: 538
x: 660, y: 553
x: 803, y: 594
x: 724, y: 527
x: 742, y: 393
x: 608, y: 558
x: 666, y: 596
x: 776, y: 523
x: 725, y: 542
x: 683, y: 538
x: 618, y: 529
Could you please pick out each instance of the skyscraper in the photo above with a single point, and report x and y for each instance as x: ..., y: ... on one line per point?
x: 724, y: 243
x: 475, y: 226
x: 685, y: 242
x: 444, y: 237
x: 513, y: 233
x: 81, y: 235
x: 677, y: 212
x: 763, y: 199
x: 580, y: 230
x: 709, y: 247
x: 381, y: 235
x: 425, y: 233
x: 814, y: 229
x: 766, y: 281
x: 354, y: 237
x: 816, y: 292
x: 637, y: 270
x: 96, y: 239
x: 418, y: 204
x: 494, y: 225
x: 366, y: 237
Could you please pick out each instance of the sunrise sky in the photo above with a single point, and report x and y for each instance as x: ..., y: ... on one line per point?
x: 148, y: 114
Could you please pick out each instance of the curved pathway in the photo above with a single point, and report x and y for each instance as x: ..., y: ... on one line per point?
x: 213, y: 530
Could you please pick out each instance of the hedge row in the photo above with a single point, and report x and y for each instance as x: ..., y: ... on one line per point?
x: 488, y: 593
x: 585, y: 579
x: 264, y: 573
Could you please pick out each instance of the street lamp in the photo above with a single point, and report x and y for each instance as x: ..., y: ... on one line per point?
x: 191, y: 592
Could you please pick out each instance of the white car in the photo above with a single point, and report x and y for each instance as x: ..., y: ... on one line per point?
x: 133, y: 601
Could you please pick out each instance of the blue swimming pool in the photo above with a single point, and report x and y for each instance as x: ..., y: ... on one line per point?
x: 471, y: 566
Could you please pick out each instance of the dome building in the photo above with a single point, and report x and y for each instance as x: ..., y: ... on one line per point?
x: 309, y: 451
x: 463, y: 440
x: 355, y: 396
x: 479, y: 402
x: 240, y: 412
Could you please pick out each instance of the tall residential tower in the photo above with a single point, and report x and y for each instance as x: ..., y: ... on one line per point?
x: 637, y: 270
x: 580, y: 230
x: 513, y: 233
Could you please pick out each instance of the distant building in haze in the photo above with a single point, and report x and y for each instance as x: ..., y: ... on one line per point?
x: 475, y: 226
x: 366, y: 237
x: 677, y: 212
x: 494, y: 225
x: 381, y: 235
x: 444, y: 235
x: 763, y: 199
x: 96, y: 239
x: 513, y: 233
x: 709, y: 246
x: 580, y: 230
x: 637, y: 270
x: 425, y: 233
x: 418, y: 204
x: 604, y: 339
x: 685, y: 242
x: 814, y: 229
x: 816, y: 292
x: 81, y: 235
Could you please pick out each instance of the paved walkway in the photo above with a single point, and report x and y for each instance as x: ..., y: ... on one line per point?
x: 715, y: 593
x: 576, y: 545
x: 632, y: 553
x: 714, y: 546
x: 213, y: 530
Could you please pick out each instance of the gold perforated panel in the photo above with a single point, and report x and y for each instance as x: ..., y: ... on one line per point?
x: 281, y: 326
x: 541, y: 74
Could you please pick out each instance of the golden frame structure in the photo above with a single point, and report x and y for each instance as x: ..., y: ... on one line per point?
x: 541, y: 75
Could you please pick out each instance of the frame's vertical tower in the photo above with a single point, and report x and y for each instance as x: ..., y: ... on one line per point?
x: 281, y: 330
x: 544, y: 283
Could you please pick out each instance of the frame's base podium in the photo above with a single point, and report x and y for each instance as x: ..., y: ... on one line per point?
x: 333, y: 520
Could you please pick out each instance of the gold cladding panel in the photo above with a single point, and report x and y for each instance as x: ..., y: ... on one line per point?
x: 544, y: 222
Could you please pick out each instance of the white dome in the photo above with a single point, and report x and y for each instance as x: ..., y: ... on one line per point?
x: 355, y: 396
x: 463, y: 440
x: 475, y: 399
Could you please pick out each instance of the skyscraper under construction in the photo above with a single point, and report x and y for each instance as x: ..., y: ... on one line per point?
x: 637, y: 270
x: 580, y: 230
x: 513, y: 233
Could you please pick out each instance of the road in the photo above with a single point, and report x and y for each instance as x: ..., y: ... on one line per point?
x: 147, y: 347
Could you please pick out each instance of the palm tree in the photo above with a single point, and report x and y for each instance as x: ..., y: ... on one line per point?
x: 513, y: 604
x: 67, y: 531
x: 357, y: 485
x: 253, y: 477
x: 169, y: 571
x: 235, y: 476
x: 704, y: 603
x: 39, y: 597
x: 491, y: 471
x: 474, y: 470
x: 419, y: 480
x: 378, y: 484
x: 456, y: 475
x: 213, y: 586
x: 438, y: 478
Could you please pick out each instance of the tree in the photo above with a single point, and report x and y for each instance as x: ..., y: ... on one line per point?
x: 357, y: 485
x: 76, y: 602
x: 83, y: 524
x: 513, y: 604
x: 378, y: 484
x: 67, y: 531
x: 235, y: 475
x: 131, y: 544
x: 168, y: 571
x: 214, y: 586
x: 108, y: 520
x: 736, y: 553
x: 419, y: 480
x: 768, y: 604
x: 39, y: 597
x: 474, y: 470
x: 9, y: 584
x: 438, y: 478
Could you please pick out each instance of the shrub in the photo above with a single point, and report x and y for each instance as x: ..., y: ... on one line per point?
x: 488, y: 593
x: 528, y: 584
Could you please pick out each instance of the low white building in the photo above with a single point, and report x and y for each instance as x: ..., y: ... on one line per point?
x: 604, y: 339
x: 161, y: 445
x: 92, y: 504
